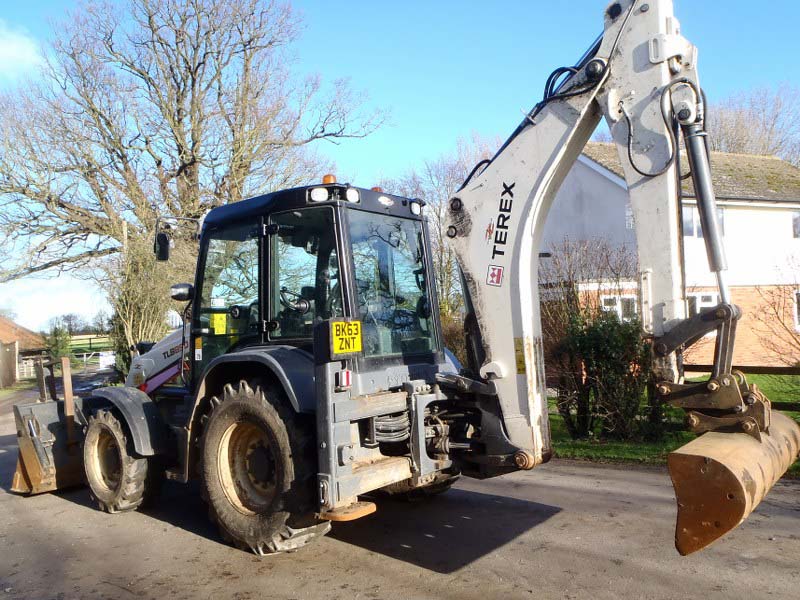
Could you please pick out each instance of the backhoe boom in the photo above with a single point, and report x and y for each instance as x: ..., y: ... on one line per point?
x: 642, y: 78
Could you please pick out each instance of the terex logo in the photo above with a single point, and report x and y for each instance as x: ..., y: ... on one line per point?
x: 503, y: 218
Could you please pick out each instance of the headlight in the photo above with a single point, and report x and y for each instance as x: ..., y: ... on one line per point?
x: 416, y: 208
x: 352, y: 195
x: 319, y: 194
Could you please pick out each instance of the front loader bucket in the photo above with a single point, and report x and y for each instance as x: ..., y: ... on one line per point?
x: 48, y: 459
x: 719, y: 479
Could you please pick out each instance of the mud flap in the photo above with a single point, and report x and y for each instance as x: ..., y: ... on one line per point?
x: 720, y: 478
x: 48, y: 460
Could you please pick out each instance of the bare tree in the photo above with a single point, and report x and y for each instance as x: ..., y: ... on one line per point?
x: 435, y: 183
x: 73, y: 323
x: 778, y: 315
x: 759, y: 121
x: 581, y: 281
x: 154, y: 107
x: 100, y: 322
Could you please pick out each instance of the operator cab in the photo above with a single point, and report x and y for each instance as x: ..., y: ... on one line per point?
x: 273, y: 267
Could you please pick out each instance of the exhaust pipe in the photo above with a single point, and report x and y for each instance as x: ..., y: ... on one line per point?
x: 720, y: 478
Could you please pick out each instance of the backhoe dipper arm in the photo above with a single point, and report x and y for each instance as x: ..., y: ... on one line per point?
x: 642, y: 78
x: 496, y: 220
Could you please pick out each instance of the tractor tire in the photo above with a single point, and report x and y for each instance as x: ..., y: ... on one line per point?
x: 259, y: 470
x: 118, y: 479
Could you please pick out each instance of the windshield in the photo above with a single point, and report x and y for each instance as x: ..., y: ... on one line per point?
x: 391, y: 285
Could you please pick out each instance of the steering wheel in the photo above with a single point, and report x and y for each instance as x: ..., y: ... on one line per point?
x: 294, y: 301
x: 404, y: 320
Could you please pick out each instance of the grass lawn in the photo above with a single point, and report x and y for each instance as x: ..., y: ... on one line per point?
x: 778, y: 388
x: 653, y: 453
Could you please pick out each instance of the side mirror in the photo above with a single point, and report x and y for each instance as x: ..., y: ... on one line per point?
x: 182, y: 292
x: 161, y: 246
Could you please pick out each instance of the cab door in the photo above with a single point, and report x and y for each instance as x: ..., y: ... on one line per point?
x: 229, y: 303
x: 304, y: 279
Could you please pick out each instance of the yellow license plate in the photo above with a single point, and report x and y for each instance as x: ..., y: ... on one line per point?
x: 346, y: 337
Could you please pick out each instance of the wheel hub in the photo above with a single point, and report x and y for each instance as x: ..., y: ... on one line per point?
x: 247, y: 467
x: 109, y: 461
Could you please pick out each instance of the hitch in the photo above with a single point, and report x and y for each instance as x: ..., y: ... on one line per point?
x: 725, y: 401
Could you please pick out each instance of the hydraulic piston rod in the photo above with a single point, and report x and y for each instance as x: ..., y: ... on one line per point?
x: 697, y: 150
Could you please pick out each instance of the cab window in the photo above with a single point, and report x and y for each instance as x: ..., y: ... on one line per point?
x: 304, y: 272
x: 229, y: 307
x: 391, y: 285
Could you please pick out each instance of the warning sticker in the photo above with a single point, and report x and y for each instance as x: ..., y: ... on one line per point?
x: 345, y: 337
x: 494, y: 276
x: 219, y: 323
x: 519, y: 355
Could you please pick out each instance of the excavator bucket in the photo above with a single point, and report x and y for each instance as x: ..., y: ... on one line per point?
x: 50, y: 456
x: 720, y: 478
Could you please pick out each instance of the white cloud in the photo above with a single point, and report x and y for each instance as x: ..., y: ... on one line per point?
x: 19, y: 52
x: 35, y: 301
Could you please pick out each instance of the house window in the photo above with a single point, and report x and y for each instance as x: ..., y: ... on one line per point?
x: 629, y: 222
x: 691, y: 222
x: 698, y: 302
x: 624, y: 306
x: 796, y: 224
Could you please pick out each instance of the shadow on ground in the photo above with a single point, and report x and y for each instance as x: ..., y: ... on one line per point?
x: 444, y: 533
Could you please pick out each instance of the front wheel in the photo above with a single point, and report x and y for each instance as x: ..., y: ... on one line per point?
x: 259, y: 470
x: 118, y: 479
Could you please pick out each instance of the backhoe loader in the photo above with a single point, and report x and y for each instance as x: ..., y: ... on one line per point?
x: 311, y: 370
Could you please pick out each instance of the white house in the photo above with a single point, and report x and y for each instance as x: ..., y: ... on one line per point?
x: 759, y: 207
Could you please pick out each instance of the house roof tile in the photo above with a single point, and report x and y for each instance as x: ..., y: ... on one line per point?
x: 28, y: 340
x: 735, y: 176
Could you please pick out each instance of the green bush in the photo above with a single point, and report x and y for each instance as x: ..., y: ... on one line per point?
x: 120, y: 346
x: 605, y: 374
x: 58, y: 342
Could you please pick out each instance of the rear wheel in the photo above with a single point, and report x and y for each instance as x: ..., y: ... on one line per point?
x: 118, y: 479
x: 259, y: 470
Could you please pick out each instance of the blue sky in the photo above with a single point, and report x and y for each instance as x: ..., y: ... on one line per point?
x: 444, y: 70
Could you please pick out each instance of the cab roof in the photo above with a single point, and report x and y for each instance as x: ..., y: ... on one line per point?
x: 293, y: 198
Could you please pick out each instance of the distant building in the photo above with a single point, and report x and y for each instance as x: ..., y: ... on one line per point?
x: 16, y: 343
x: 759, y: 208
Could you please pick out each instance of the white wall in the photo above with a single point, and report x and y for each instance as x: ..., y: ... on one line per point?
x: 588, y: 205
x: 758, y: 244
x: 758, y: 239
